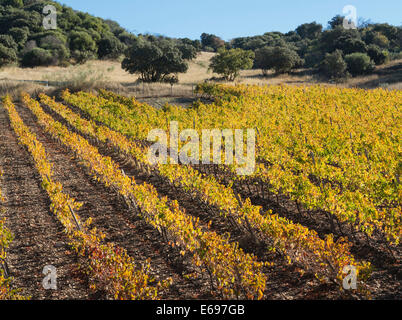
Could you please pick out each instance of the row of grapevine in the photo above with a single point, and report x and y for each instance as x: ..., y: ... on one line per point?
x: 339, y: 155
x: 326, y: 258
x: 315, y: 155
x: 109, y: 266
x: 234, y: 273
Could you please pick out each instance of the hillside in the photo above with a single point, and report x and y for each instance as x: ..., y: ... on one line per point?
x: 312, y: 53
x: 74, y: 37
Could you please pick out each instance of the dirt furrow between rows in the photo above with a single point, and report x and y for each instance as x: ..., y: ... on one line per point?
x: 39, y: 239
x: 111, y: 216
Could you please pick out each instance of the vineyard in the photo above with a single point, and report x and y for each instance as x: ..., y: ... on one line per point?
x: 78, y: 191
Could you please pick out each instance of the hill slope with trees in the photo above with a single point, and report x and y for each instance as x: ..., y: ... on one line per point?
x: 327, y: 50
x: 79, y: 36
x: 333, y: 51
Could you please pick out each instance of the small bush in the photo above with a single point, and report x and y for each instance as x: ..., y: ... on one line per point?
x: 377, y: 55
x: 395, y: 55
x: 312, y: 59
x: 7, y: 55
x: 57, y: 47
x: 334, y: 66
x: 8, y: 41
x: 209, y: 49
x: 20, y: 36
x: 359, y: 63
x: 280, y: 59
x: 81, y: 57
x: 110, y: 48
x: 37, y: 57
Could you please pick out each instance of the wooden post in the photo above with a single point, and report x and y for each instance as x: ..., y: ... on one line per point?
x: 238, y: 198
x: 5, y: 268
x: 312, y: 156
x: 366, y: 154
x: 75, y: 218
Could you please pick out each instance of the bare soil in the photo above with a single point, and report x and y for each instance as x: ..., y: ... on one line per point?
x: 39, y: 237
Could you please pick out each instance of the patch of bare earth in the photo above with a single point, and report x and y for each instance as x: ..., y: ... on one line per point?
x: 39, y: 237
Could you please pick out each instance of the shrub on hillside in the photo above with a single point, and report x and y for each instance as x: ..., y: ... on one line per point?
x: 20, y: 36
x: 57, y: 47
x: 377, y: 55
x: 359, y: 63
x: 8, y: 41
x: 110, y: 48
x: 13, y: 3
x: 211, y: 42
x: 37, y: 57
x: 334, y: 66
x: 280, y: 59
x: 7, y: 55
x: 82, y: 45
x: 189, y: 52
x: 313, y: 58
x: 350, y: 45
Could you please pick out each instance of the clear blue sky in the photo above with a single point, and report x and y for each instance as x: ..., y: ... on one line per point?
x: 230, y: 18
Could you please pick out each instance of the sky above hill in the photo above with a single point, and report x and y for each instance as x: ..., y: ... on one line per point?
x: 230, y: 18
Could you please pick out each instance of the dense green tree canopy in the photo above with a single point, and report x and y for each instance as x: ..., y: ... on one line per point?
x: 79, y: 36
x: 359, y: 63
x: 229, y: 62
x: 154, y: 60
x: 279, y: 59
x: 7, y: 55
x: 311, y: 42
x: 211, y: 41
x: 334, y: 66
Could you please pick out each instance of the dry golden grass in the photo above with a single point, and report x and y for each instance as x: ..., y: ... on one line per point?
x: 110, y: 75
x: 14, y: 89
x: 198, y: 71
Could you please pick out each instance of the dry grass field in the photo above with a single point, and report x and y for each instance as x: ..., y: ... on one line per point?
x: 110, y: 75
